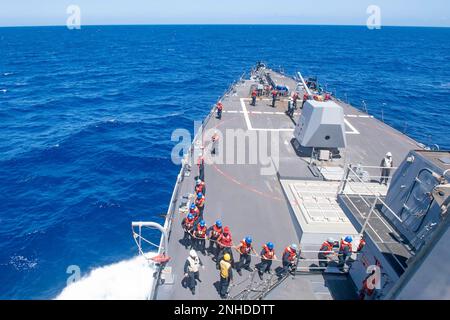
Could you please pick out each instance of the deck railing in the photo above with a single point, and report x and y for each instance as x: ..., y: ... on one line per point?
x: 371, y: 200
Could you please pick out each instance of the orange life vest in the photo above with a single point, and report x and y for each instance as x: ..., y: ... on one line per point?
x: 215, y: 232
x: 345, y: 244
x: 328, y: 247
x: 245, y: 248
x: 268, y: 254
x: 292, y: 253
x: 225, y: 240
x: 361, y: 245
x: 199, y: 188
x: 195, y: 212
x: 199, y: 202
x: 188, y: 224
x: 200, y: 232
x: 219, y: 106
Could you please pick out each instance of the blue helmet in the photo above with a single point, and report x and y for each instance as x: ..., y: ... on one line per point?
x: 219, y: 223
x: 348, y: 239
x: 199, y: 195
x: 248, y: 240
x: 270, y: 245
x: 190, y: 216
x: 202, y: 223
x: 193, y: 206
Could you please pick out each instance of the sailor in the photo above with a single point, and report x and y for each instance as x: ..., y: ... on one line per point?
x: 290, y: 110
x: 201, y: 168
x: 194, y: 211
x: 200, y: 203
x: 219, y: 108
x: 345, y: 251
x: 213, y: 234
x: 245, y: 249
x: 361, y: 245
x: 267, y: 256
x: 260, y: 89
x: 225, y: 242
x: 226, y: 275
x: 254, y: 95
x: 200, y: 186
x: 386, y: 164
x: 200, y: 236
x: 187, y: 225
x: 289, y: 260
x: 215, y: 142
x: 191, y: 270
x: 274, y: 97
x: 305, y: 98
x: 294, y: 100
x: 325, y: 252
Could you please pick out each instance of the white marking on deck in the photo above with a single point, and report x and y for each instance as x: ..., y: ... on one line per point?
x: 357, y: 116
x: 249, y: 125
x: 247, y: 120
x: 354, y: 131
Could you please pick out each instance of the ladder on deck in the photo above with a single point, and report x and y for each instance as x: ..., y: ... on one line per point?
x: 258, y: 290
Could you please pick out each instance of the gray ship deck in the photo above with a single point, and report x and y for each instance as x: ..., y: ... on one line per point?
x: 254, y: 204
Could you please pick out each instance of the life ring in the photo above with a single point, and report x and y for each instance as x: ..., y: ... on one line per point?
x: 160, y: 258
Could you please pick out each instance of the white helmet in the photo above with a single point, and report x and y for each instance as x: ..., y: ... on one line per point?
x: 389, y: 154
x: 193, y: 253
x: 198, y: 181
x: 330, y: 240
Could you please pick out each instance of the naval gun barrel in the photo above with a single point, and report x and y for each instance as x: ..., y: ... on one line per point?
x: 304, y: 83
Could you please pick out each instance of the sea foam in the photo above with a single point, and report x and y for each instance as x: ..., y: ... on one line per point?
x: 126, y: 280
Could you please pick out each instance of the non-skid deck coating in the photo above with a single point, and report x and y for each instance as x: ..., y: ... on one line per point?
x: 252, y: 203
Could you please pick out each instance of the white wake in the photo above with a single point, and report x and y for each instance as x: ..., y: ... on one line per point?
x: 126, y: 280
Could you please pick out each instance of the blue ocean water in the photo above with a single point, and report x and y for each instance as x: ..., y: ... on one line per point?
x: 87, y: 115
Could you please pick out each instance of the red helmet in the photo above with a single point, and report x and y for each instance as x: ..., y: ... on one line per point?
x: 226, y: 230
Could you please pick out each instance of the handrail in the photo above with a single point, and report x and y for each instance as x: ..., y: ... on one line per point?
x: 345, y: 180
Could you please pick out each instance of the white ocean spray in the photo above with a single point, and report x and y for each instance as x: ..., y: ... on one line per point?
x: 126, y: 280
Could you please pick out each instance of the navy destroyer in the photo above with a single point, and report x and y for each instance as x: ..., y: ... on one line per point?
x: 292, y: 164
